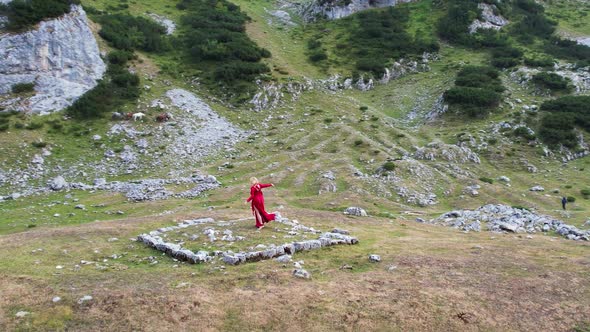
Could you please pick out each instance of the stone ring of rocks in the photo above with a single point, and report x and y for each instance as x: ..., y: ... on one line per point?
x: 156, y: 239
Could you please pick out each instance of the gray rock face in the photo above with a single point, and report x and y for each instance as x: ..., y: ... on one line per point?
x: 336, y: 9
x: 537, y: 188
x: 490, y: 20
x: 503, y: 218
x: 61, y: 57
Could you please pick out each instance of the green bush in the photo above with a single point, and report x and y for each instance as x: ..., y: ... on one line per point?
x: 358, y: 142
x: 116, y: 88
x: 379, y: 36
x: 551, y: 81
x: 562, y: 115
x: 39, y: 144
x: 33, y: 125
x: 23, y: 87
x: 539, y: 62
x: 19, y: 125
x: 127, y: 32
x: 571, y: 199
x: 389, y: 166
x: 477, y: 91
x: 23, y: 14
x: 4, y: 127
x: 486, y: 180
x: 585, y: 193
x: 216, y: 40
x: 524, y: 132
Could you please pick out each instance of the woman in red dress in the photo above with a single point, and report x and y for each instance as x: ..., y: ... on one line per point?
x: 262, y: 217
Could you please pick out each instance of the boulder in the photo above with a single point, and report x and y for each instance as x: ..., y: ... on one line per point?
x: 355, y: 211
x: 374, y: 258
x: 301, y: 273
x: 58, y: 183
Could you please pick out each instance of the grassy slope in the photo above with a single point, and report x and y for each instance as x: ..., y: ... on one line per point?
x: 441, y: 281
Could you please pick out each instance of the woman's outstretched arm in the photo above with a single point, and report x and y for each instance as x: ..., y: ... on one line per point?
x: 266, y: 185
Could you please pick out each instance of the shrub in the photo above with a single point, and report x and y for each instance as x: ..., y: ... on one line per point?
x: 363, y: 108
x: 524, y: 132
x: 476, y: 92
x: 389, y: 166
x: 318, y: 55
x: 562, y: 115
x: 486, y: 180
x: 571, y: 199
x: 539, y: 62
x: 358, y: 142
x: 23, y: 87
x: 585, y: 193
x: 218, y: 45
x: 128, y: 32
x: 23, y: 14
x: 379, y: 36
x: 39, y: 144
x: 34, y: 125
x: 19, y: 125
x: 118, y: 86
x: 551, y: 81
x: 4, y: 127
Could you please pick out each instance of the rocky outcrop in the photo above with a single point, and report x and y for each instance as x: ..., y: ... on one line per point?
x: 503, y: 218
x: 335, y: 9
x: 61, y: 57
x: 579, y: 77
x: 165, y: 22
x: 271, y: 95
x: 583, y: 41
x: 489, y: 20
x: 448, y: 152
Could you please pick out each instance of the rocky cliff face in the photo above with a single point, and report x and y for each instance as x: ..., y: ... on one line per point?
x: 60, y: 56
x: 335, y: 9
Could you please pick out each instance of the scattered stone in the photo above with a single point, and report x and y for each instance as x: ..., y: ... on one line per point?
x: 59, y: 267
x: 80, y: 207
x: 301, y: 273
x: 85, y: 298
x: 113, y: 239
x: 340, y: 231
x: 355, y: 211
x: 537, y: 188
x: 391, y: 268
x: 97, y: 137
x: 22, y: 314
x: 283, y: 259
x: 504, y: 179
x: 56, y: 299
x: 420, y: 220
x: 503, y: 218
x: 374, y: 258
x: 346, y: 267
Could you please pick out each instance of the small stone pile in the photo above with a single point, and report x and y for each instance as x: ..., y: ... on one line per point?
x: 503, y: 218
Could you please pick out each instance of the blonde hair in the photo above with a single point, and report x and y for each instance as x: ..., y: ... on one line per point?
x: 254, y: 181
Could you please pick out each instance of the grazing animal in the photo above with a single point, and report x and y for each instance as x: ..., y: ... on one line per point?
x: 163, y: 117
x: 116, y: 116
x: 138, y: 116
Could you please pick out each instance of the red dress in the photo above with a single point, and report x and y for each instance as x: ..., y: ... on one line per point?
x: 258, y: 210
